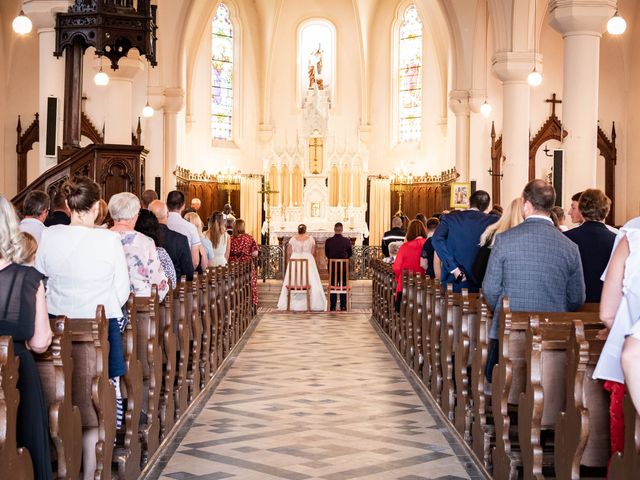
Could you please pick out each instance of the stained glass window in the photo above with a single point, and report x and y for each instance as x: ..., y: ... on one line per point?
x: 410, y: 76
x: 222, y: 75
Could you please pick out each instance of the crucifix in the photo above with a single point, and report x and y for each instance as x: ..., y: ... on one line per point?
x: 553, y: 101
x: 267, y: 192
x: 315, y: 155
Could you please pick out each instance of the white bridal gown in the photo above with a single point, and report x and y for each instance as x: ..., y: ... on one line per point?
x: 299, y: 298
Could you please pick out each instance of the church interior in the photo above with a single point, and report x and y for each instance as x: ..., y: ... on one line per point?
x: 319, y: 112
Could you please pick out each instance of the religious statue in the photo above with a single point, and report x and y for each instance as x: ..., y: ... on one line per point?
x: 315, y: 68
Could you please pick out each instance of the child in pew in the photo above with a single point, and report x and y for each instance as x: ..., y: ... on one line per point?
x: 23, y: 316
x: 29, y: 249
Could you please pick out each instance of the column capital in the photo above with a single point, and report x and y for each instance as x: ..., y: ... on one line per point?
x: 173, y: 99
x: 581, y: 17
x: 515, y: 67
x: 459, y: 102
x: 42, y: 13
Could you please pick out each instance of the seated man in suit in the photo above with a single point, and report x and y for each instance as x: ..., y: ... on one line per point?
x: 338, y: 247
x: 176, y: 244
x: 457, y: 241
x: 533, y: 264
x: 594, y: 240
x: 60, y: 213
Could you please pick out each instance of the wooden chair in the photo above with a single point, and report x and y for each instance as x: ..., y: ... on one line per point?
x: 339, y: 283
x: 298, y: 280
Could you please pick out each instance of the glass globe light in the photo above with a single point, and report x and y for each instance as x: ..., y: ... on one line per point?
x: 147, y: 111
x: 534, y: 78
x: 22, y: 24
x: 485, y: 109
x: 101, y: 79
x: 616, y: 25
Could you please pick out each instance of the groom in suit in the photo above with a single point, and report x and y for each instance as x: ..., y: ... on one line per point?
x: 457, y: 239
x: 338, y: 247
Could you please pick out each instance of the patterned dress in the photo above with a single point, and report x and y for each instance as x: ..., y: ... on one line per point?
x: 144, y: 265
x: 167, y: 266
x: 241, y: 249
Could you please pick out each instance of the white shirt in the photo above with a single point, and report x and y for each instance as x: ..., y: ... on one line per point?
x: 32, y: 226
x: 86, y: 267
x: 178, y: 224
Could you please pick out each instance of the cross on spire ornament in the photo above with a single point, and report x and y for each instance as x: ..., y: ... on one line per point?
x: 553, y: 101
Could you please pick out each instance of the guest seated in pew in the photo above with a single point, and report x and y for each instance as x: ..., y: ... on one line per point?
x: 620, y: 311
x: 35, y: 209
x: 60, y: 215
x: 396, y: 234
x: 103, y: 212
x: 220, y: 240
x: 29, y: 249
x: 147, y: 197
x: 86, y: 267
x: 244, y: 247
x: 394, y: 247
x: 147, y: 224
x: 145, y: 268
x: 559, y: 213
x: 23, y: 316
x: 205, y: 249
x: 594, y: 240
x: 176, y: 244
x: 509, y: 219
x: 534, y: 264
x: 428, y: 252
x: 408, y: 257
x: 176, y: 206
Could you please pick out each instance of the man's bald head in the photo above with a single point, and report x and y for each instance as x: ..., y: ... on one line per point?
x: 160, y: 210
x: 396, y: 222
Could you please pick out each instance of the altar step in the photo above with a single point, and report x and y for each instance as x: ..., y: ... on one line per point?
x: 269, y: 292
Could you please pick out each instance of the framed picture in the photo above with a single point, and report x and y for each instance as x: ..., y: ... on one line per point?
x: 460, y: 193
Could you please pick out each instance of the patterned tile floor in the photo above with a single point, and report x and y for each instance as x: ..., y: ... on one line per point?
x: 315, y: 396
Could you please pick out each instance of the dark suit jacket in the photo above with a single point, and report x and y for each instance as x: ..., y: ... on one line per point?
x: 537, y: 267
x: 595, y: 243
x: 57, y: 218
x: 456, y: 241
x: 177, y: 246
x: 393, y: 235
x: 338, y: 247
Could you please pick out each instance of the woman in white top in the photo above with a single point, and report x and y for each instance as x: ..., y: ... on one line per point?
x: 86, y: 267
x: 303, y: 246
x: 220, y: 240
x: 205, y: 249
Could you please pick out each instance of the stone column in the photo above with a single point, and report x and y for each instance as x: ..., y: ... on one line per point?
x: 459, y: 105
x: 512, y: 68
x: 581, y: 25
x: 173, y: 103
x: 119, y: 123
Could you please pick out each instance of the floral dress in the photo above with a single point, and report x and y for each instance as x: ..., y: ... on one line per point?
x: 144, y: 265
x: 241, y: 249
x: 167, y: 266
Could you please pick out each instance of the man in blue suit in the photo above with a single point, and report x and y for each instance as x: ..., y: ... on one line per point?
x: 457, y: 241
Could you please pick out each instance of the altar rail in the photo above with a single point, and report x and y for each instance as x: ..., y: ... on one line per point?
x: 270, y: 262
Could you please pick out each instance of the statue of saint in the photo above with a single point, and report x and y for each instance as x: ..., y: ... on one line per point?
x: 315, y: 68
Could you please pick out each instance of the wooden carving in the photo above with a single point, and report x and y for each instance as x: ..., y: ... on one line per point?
x: 609, y: 151
x: 213, y: 310
x: 496, y: 164
x: 167, y: 331
x: 550, y: 130
x: 447, y: 399
x: 23, y: 145
x: 418, y: 355
x: 205, y: 316
x: 427, y: 317
x: 181, y: 329
x: 464, y: 346
x: 55, y: 367
x: 89, y: 130
x: 481, y: 431
x: 15, y: 461
x: 192, y: 310
x: 436, y: 369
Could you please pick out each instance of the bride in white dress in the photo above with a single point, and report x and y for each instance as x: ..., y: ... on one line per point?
x: 303, y: 246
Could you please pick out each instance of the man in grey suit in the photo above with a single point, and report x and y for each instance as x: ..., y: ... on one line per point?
x: 533, y: 264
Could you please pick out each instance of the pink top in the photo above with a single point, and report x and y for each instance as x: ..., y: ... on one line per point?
x: 408, y: 258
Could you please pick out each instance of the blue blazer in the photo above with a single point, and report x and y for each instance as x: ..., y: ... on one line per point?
x: 595, y: 242
x: 456, y: 241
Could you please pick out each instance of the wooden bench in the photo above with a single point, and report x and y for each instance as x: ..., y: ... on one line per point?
x: 167, y: 329
x: 55, y: 367
x: 625, y: 466
x: 437, y: 304
x: 205, y: 318
x: 450, y: 325
x: 182, y: 330
x: 15, y: 462
x: 194, y: 327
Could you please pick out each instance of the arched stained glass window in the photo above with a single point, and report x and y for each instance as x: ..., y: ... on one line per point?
x: 222, y: 75
x: 410, y: 76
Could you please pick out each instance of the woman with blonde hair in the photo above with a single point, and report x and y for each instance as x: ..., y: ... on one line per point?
x: 511, y: 217
x: 220, y: 239
x: 23, y: 317
x: 205, y: 249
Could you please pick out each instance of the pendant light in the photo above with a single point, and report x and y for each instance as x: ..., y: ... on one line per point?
x: 535, y: 77
x: 147, y: 111
x: 485, y: 108
x: 616, y: 24
x: 101, y: 78
x: 22, y: 24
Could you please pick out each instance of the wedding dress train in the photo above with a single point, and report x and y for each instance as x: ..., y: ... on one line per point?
x: 318, y: 301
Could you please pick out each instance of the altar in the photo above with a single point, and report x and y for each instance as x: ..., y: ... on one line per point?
x: 320, y: 237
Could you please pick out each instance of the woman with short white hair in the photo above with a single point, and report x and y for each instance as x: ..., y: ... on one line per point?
x: 144, y: 265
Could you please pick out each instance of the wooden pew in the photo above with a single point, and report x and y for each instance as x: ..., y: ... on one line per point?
x: 182, y: 329
x: 416, y: 318
x: 127, y: 454
x: 625, y: 466
x: 464, y: 346
x: 15, y: 462
x: 205, y: 318
x: 167, y: 329
x: 55, y: 368
x: 450, y: 323
x: 92, y: 391
x: 582, y: 429
x: 425, y: 330
x: 212, y: 301
x: 436, y: 321
x: 407, y: 321
x: 150, y: 356
x: 509, y: 380
x: 194, y: 326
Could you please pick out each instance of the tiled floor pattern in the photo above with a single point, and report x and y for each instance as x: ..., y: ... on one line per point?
x: 316, y: 396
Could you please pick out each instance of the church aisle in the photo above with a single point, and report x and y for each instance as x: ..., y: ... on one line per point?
x: 316, y: 397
